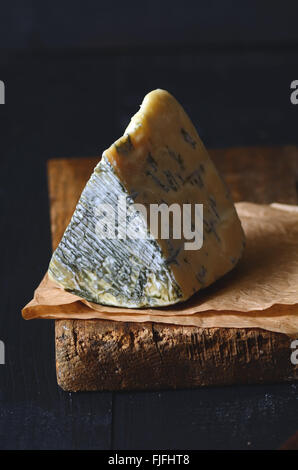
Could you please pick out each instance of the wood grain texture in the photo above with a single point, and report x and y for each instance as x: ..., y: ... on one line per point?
x: 106, y: 355
x: 291, y: 443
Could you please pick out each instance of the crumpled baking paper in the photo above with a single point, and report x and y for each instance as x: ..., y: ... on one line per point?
x: 260, y: 292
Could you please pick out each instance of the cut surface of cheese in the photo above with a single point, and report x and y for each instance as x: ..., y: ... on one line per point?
x: 159, y: 160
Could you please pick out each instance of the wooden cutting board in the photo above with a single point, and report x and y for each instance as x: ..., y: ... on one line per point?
x: 107, y: 355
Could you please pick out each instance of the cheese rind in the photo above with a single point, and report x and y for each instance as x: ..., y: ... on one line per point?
x: 159, y: 159
x: 162, y: 158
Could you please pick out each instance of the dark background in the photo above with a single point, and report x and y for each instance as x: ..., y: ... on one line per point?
x: 74, y: 74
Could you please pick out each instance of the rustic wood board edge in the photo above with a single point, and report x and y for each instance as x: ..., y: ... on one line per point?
x: 107, y: 355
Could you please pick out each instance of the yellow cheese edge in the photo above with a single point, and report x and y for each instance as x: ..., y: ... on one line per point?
x: 161, y: 115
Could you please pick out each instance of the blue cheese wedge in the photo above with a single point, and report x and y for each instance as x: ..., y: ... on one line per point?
x: 159, y: 160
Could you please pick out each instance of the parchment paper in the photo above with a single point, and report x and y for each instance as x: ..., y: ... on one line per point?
x: 261, y: 291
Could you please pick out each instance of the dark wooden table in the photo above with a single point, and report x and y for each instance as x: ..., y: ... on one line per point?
x: 61, y: 105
